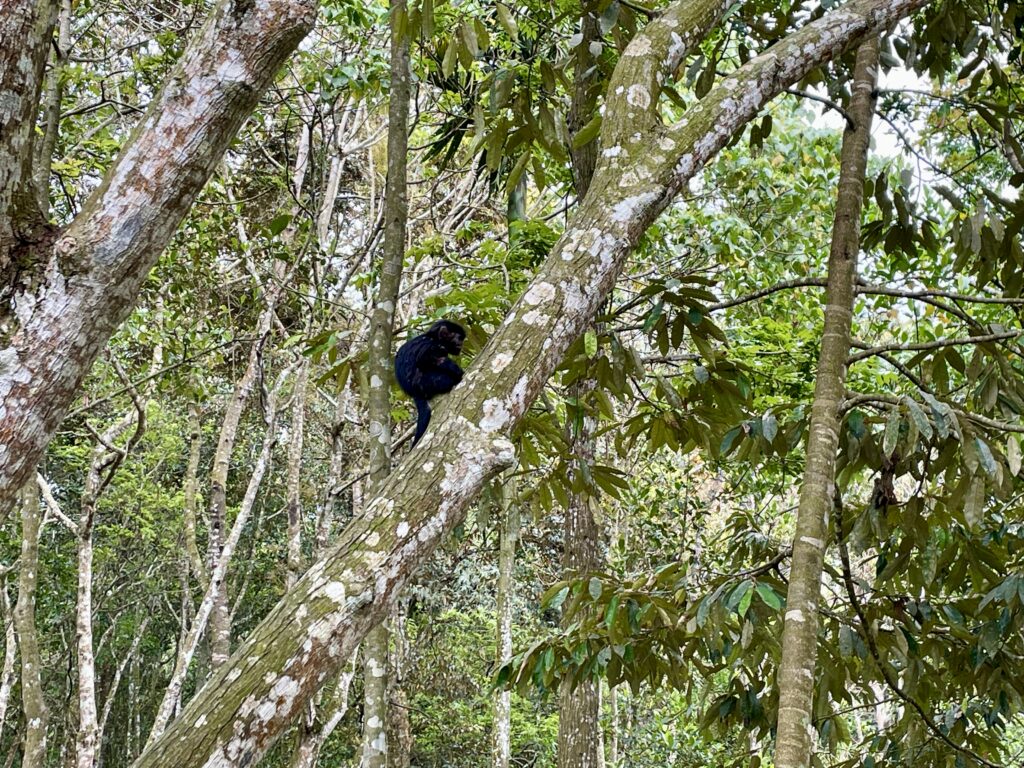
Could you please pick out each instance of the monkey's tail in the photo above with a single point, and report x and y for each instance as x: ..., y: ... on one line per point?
x: 422, y: 418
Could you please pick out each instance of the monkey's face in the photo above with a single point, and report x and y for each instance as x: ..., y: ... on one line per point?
x: 452, y: 341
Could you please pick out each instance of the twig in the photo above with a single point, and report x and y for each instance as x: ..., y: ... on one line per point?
x: 869, y: 639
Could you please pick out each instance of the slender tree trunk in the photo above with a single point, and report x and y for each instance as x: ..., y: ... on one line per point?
x: 218, y: 572
x: 502, y: 743
x: 293, y: 500
x: 323, y: 713
x: 613, y: 745
x: 220, y: 617
x: 108, y: 704
x: 396, y: 212
x: 54, y: 97
x: 191, y: 489
x: 10, y: 648
x: 643, y: 165
x: 33, y: 702
x: 795, y: 734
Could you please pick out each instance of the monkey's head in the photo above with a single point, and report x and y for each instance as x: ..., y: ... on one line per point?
x: 449, y: 335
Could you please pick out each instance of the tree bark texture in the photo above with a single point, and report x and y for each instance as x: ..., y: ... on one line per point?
x: 76, y: 286
x: 255, y: 696
x: 579, y: 706
x: 26, y: 29
x: 103, y: 462
x: 33, y: 703
x: 293, y: 500
x: 382, y: 321
x: 10, y: 647
x: 795, y: 737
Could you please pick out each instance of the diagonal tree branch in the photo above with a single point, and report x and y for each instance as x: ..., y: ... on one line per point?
x: 254, y: 697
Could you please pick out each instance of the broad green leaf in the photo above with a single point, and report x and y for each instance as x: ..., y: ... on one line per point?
x: 1013, y: 454
x: 507, y: 21
x: 974, y: 503
x: 892, y: 433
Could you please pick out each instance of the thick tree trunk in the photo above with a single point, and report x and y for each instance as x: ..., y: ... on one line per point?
x: 378, y: 402
x: 795, y: 733
x: 254, y: 697
x: 579, y: 707
x: 33, y: 703
x: 509, y: 516
x: 75, y: 288
x: 26, y: 29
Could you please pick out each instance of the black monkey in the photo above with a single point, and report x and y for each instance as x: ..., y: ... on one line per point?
x: 424, y: 370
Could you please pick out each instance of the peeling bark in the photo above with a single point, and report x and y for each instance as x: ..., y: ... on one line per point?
x: 255, y: 696
x: 84, y: 281
x: 794, y: 742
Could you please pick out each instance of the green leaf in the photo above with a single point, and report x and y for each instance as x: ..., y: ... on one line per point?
x: 1013, y: 454
x: 769, y: 426
x: 924, y: 426
x: 587, y: 133
x: 451, y: 57
x: 590, y: 343
x: 768, y: 596
x: 507, y: 22
x: 974, y: 504
x: 892, y: 433
x: 594, y: 588
x: 278, y: 223
x: 988, y: 461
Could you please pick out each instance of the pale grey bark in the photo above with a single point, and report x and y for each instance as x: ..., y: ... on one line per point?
x: 33, y: 703
x: 795, y: 737
x: 191, y: 491
x: 254, y: 697
x: 501, y: 746
x: 7, y: 673
x: 26, y: 28
x: 103, y: 463
x: 378, y: 400
x: 52, y: 105
x: 115, y: 684
x: 78, y: 285
x: 293, y: 495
